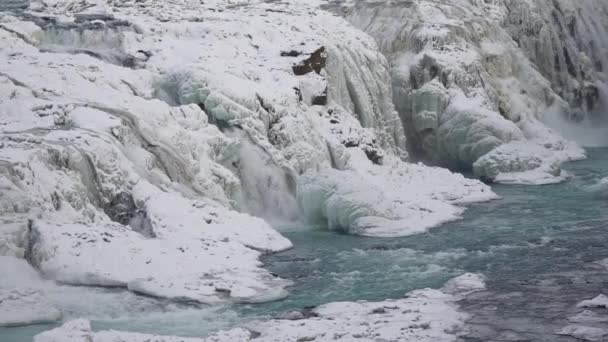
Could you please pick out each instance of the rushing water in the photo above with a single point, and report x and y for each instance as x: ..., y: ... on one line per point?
x: 537, y: 246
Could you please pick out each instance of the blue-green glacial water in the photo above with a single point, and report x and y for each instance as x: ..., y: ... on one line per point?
x: 538, y: 247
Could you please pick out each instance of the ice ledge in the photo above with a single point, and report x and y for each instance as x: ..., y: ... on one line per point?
x: 397, y: 199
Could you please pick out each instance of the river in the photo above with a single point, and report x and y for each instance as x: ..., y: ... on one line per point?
x: 538, y: 248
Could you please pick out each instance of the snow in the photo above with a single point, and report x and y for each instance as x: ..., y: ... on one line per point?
x: 144, y: 144
x: 588, y: 325
x: 20, y: 304
x: 469, y: 77
x: 584, y: 333
x: 397, y: 199
x: 422, y: 315
x: 181, y: 118
x: 601, y: 301
x: 520, y: 163
x: 203, y: 269
x: 23, y: 307
x: 588, y: 316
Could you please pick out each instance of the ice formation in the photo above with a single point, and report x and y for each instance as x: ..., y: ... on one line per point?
x: 154, y: 134
x: 129, y: 128
x: 470, y: 76
x: 421, y: 316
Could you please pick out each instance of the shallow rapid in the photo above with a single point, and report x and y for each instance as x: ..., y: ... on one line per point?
x: 538, y: 247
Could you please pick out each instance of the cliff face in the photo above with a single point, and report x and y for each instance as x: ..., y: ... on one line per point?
x: 470, y: 76
x: 567, y: 41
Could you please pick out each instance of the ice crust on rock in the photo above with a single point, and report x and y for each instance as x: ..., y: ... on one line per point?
x: 468, y: 76
x: 422, y: 315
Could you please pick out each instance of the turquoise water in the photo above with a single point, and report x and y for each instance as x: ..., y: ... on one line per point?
x: 536, y: 246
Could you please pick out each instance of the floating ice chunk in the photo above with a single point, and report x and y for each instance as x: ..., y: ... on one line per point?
x: 173, y: 216
x: 465, y: 284
x: 588, y: 316
x: 601, y: 301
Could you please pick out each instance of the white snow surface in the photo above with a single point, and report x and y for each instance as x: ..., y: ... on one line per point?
x: 181, y: 268
x: 422, y: 315
x: 601, y: 301
x: 585, y: 333
x: 588, y: 324
x: 396, y: 199
x: 20, y: 303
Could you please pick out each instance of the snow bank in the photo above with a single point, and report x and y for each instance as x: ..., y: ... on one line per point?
x: 422, y: 315
x: 180, y: 268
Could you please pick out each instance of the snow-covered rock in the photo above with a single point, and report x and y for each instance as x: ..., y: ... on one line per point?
x: 421, y: 316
